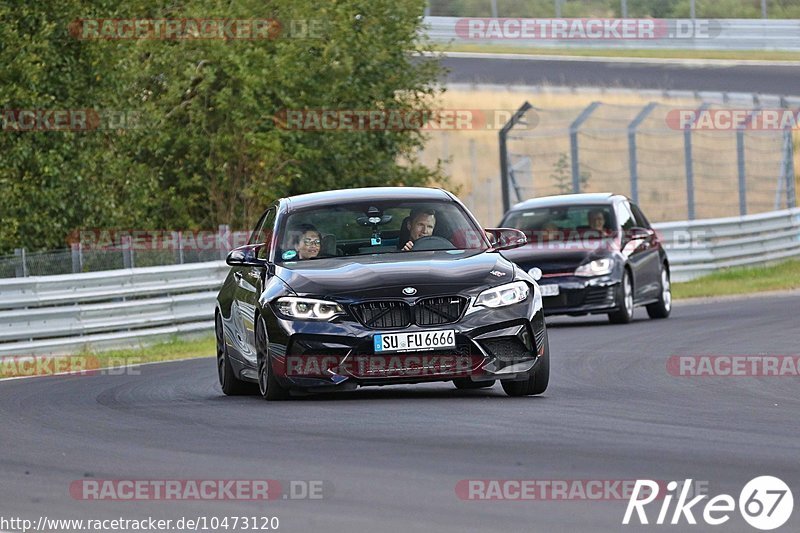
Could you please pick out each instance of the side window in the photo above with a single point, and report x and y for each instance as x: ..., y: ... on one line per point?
x: 638, y: 216
x: 624, y: 216
x: 263, y: 232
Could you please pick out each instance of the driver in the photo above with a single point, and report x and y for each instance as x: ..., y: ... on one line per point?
x: 597, y: 221
x: 420, y: 224
x: 304, y: 241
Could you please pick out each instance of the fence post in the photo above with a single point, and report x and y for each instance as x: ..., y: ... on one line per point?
x: 77, y: 257
x: 573, y: 144
x: 127, y: 251
x: 687, y: 156
x: 473, y: 163
x: 21, y: 270
x: 503, y: 136
x: 791, y: 198
x: 740, y: 163
x: 223, y: 234
x: 632, y: 158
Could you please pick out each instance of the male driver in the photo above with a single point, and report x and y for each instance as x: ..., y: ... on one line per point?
x: 420, y: 224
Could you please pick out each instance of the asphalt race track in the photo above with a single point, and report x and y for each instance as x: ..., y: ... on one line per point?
x: 391, y: 457
x: 761, y: 78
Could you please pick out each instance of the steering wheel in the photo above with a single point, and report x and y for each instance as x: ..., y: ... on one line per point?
x: 432, y: 243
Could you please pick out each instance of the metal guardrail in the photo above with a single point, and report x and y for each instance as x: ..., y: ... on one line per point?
x: 62, y: 314
x: 687, y: 34
x: 700, y: 247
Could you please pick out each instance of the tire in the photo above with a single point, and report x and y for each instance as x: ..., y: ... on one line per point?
x: 466, y: 384
x: 268, y: 384
x: 231, y: 385
x: 538, y: 380
x: 624, y: 313
x: 663, y: 307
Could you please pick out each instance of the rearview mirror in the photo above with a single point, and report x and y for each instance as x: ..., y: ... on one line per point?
x: 505, y: 238
x: 246, y: 256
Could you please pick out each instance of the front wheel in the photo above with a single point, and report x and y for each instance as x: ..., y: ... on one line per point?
x: 231, y: 385
x: 268, y: 384
x: 624, y: 313
x: 663, y: 306
x: 538, y: 380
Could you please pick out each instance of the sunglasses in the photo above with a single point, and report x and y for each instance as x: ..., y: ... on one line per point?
x: 311, y: 242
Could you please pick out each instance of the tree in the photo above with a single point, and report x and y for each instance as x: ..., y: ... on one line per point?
x: 562, y: 176
x: 206, y: 148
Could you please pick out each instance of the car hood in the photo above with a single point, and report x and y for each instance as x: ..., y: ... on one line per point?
x: 561, y: 259
x: 386, y: 275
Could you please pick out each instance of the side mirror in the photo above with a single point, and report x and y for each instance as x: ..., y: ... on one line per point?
x: 638, y: 233
x: 246, y: 256
x: 505, y: 238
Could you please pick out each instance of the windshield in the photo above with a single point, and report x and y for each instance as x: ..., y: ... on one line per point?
x: 561, y: 223
x: 365, y: 228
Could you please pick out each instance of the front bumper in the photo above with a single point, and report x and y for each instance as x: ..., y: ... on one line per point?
x: 580, y: 295
x: 503, y: 344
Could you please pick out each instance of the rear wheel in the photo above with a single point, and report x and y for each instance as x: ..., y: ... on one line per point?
x: 538, y: 380
x: 624, y: 313
x: 231, y: 385
x: 268, y: 384
x: 466, y: 384
x: 663, y: 306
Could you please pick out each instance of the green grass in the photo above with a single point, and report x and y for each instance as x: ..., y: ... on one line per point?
x: 782, y: 276
x: 175, y: 348
x: 643, y: 53
x: 170, y: 350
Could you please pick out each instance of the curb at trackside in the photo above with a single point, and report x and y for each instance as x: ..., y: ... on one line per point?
x: 612, y: 59
x: 101, y: 369
x: 695, y: 300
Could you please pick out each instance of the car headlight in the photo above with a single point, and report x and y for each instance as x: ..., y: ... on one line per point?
x: 510, y: 293
x: 598, y: 267
x: 307, y: 308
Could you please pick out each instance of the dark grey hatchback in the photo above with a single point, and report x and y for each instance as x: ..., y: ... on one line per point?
x: 595, y: 253
x: 378, y: 286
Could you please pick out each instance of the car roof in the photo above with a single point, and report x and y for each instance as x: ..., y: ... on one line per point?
x: 365, y: 194
x: 568, y: 199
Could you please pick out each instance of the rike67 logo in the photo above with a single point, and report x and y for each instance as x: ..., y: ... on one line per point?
x: 765, y: 503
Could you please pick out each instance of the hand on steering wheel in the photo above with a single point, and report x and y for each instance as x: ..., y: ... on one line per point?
x: 431, y: 242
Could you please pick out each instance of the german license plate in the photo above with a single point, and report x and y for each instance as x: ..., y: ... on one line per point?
x: 549, y: 290
x: 414, y: 341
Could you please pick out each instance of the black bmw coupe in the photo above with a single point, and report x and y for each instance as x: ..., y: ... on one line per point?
x: 378, y: 286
